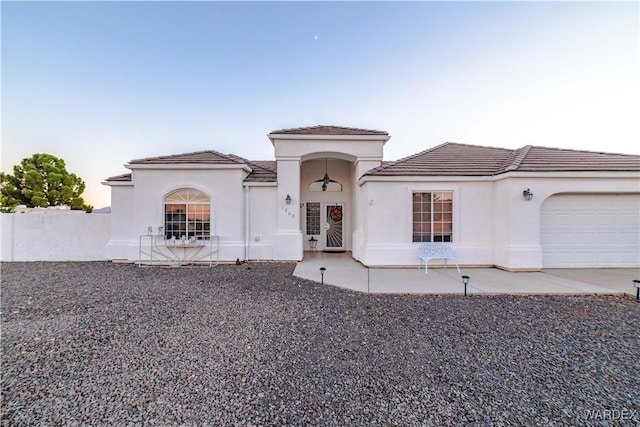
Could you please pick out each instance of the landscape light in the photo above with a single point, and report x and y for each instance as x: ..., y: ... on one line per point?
x: 465, y: 280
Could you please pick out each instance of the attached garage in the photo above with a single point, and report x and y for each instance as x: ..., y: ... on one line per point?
x: 590, y: 230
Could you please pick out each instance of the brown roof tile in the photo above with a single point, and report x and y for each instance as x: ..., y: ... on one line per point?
x: 261, y: 173
x: 543, y: 159
x: 207, y: 156
x: 328, y: 130
x: 120, y: 178
x: 261, y: 170
x: 514, y: 160
x: 270, y: 165
x: 447, y: 159
x: 470, y: 160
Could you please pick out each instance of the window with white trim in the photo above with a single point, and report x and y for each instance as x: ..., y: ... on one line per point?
x: 187, y: 215
x: 433, y: 216
x: 313, y: 218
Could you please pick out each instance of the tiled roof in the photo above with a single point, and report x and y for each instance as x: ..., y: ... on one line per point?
x: 328, y: 130
x: 270, y: 165
x: 120, y: 178
x: 543, y: 159
x: 261, y: 170
x: 452, y: 159
x: 207, y: 156
x: 259, y: 174
x: 447, y: 159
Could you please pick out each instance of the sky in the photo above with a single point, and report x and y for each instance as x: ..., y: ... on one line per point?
x: 101, y: 83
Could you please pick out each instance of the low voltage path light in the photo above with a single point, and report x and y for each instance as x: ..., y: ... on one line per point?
x: 465, y: 280
x: 636, y: 283
x: 322, y: 270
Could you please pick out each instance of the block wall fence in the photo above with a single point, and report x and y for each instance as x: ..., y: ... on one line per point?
x: 54, y: 236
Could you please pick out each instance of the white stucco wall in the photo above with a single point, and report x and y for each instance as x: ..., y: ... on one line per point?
x: 517, y: 221
x: 354, y: 147
x: 493, y: 224
x: 299, y: 155
x: 388, y: 224
x: 121, y: 244
x: 224, y: 188
x: 262, y: 222
x: 54, y: 237
x: 142, y: 205
x: 288, y: 237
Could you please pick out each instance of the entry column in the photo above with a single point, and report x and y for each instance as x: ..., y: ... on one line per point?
x: 288, y: 243
x: 360, y: 206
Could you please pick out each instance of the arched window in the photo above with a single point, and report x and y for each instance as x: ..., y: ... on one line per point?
x: 187, y: 214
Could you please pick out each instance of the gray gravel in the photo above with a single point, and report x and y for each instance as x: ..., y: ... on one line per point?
x: 113, y: 344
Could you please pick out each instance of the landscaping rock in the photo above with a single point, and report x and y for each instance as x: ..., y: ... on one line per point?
x: 113, y: 344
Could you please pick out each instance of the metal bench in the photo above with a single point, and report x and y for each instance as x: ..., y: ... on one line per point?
x: 430, y: 251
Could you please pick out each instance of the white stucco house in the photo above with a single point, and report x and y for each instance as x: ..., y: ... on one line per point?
x: 522, y: 209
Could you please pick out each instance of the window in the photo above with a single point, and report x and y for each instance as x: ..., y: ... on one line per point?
x: 325, y: 185
x: 187, y: 215
x: 313, y: 218
x: 433, y: 216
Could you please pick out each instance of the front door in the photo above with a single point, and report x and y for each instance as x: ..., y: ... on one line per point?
x: 333, y: 226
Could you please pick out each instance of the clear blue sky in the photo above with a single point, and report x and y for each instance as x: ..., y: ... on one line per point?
x: 101, y: 83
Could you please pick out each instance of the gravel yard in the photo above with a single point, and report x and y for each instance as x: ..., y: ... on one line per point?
x: 112, y: 344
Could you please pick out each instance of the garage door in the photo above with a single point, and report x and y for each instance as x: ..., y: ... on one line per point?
x: 591, y: 230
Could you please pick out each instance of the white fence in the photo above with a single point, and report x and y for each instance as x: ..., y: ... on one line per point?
x: 53, y: 237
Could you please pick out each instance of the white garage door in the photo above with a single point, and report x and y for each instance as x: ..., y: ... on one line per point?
x: 591, y: 230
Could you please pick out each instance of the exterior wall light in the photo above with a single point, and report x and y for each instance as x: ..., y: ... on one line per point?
x: 527, y: 194
x: 288, y: 199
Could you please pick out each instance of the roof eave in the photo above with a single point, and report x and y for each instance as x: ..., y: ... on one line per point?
x: 260, y: 184
x: 303, y: 137
x: 178, y: 166
x: 498, y: 177
x: 117, y: 183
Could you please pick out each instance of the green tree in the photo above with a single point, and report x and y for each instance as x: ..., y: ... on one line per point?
x: 39, y: 181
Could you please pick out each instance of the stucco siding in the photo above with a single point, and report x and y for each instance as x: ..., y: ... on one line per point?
x: 224, y: 188
x: 123, y: 242
x: 54, y: 237
x: 262, y: 222
x: 493, y: 224
x: 388, y: 227
x: 517, y: 225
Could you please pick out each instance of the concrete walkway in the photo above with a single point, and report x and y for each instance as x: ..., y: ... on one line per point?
x: 343, y: 271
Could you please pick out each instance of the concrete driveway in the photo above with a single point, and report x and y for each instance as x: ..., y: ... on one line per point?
x: 343, y: 271
x: 619, y: 279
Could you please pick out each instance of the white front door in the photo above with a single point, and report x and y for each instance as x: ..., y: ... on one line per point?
x: 333, y: 219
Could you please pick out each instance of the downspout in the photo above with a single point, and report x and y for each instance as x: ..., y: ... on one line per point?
x: 247, y: 222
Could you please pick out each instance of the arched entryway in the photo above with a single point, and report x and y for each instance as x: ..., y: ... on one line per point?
x: 327, y: 200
